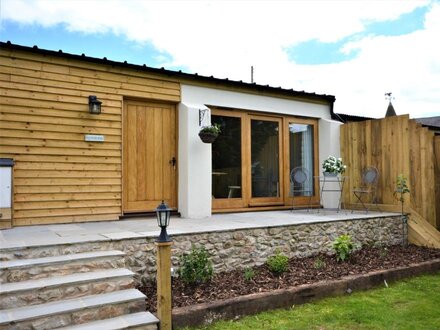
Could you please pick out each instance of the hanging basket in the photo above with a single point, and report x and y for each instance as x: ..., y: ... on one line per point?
x: 207, y: 137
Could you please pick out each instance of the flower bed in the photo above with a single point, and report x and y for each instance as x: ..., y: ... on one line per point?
x: 300, y: 271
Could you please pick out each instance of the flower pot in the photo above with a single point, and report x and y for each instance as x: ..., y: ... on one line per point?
x: 207, y: 137
x: 330, y: 174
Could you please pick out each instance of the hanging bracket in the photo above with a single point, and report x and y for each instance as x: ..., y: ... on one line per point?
x: 202, y: 114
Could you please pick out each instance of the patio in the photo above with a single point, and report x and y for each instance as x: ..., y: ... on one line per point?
x: 146, y: 227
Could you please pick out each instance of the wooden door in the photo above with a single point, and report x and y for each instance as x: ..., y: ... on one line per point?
x: 149, y: 143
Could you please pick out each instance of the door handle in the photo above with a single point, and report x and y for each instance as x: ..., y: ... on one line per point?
x: 173, y: 162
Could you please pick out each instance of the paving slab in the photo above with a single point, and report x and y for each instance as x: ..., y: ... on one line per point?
x: 21, y: 237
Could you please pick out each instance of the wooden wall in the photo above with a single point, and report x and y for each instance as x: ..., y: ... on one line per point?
x: 395, y: 145
x: 58, y: 177
x: 437, y: 178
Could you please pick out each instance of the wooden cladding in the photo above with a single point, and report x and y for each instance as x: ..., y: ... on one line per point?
x: 59, y: 177
x: 394, y: 145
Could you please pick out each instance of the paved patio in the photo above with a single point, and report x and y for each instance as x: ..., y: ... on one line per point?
x: 45, y: 235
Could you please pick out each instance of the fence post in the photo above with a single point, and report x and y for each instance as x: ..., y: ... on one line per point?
x: 163, y: 281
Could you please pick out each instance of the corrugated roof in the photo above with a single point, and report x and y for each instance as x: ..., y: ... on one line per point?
x: 345, y: 118
x: 178, y: 74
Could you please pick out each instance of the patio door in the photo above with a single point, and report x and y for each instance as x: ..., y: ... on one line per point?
x: 265, y: 150
x: 149, y: 167
x: 301, y: 153
x: 254, y: 155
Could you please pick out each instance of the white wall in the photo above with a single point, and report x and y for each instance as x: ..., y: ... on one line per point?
x: 195, y: 178
x: 194, y: 192
x: 329, y: 145
x: 209, y: 96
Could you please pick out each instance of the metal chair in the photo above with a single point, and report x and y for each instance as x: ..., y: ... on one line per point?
x: 370, y: 178
x: 299, y: 182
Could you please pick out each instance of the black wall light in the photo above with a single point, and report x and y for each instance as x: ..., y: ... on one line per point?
x: 94, y: 105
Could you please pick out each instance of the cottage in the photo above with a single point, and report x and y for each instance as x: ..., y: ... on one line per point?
x: 71, y: 164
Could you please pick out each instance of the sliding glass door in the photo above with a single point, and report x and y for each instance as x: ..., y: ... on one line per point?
x: 265, y: 166
x: 254, y: 156
x: 227, y: 159
x: 302, y: 161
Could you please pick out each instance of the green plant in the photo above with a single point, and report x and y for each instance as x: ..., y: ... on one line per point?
x: 401, y: 188
x: 212, y: 129
x: 333, y: 165
x: 195, y: 267
x: 249, y: 274
x: 319, y: 263
x: 278, y: 263
x: 343, y: 247
x: 383, y: 252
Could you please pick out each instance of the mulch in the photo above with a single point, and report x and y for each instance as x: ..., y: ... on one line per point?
x: 301, y: 271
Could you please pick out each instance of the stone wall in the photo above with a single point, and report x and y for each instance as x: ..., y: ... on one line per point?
x: 238, y: 248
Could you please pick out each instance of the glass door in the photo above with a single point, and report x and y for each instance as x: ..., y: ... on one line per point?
x: 265, y: 161
x: 227, y: 160
x: 302, y: 153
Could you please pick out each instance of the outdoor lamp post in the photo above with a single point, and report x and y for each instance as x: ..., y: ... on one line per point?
x: 94, y: 105
x: 163, y: 261
x: 163, y: 213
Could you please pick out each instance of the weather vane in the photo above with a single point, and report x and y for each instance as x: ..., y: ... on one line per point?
x: 389, y: 96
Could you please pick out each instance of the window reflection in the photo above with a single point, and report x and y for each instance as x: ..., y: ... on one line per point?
x: 264, y: 158
x: 301, y: 157
x: 226, y: 158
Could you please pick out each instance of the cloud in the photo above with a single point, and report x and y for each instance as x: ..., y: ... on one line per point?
x: 224, y: 38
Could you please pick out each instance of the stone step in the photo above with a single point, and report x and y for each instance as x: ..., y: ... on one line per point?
x: 36, y: 268
x: 32, y: 292
x: 73, y: 311
x: 142, y: 320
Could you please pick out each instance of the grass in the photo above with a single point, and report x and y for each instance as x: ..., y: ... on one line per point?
x: 407, y: 304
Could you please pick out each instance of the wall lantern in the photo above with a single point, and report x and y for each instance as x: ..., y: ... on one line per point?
x: 94, y: 105
x: 163, y: 213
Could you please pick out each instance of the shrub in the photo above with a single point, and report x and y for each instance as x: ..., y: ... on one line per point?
x: 319, y: 263
x: 278, y: 263
x: 249, y: 274
x: 195, y: 267
x: 343, y: 247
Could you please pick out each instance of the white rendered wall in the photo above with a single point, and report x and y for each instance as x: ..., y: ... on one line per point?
x: 195, y: 177
x: 329, y: 145
x: 217, y: 97
x: 194, y: 164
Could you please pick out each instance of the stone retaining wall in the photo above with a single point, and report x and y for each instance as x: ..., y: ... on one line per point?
x: 237, y: 248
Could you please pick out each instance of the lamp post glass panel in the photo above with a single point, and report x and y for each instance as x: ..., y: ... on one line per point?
x: 163, y: 213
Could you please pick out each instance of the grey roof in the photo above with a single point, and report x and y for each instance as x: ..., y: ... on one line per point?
x: 432, y: 122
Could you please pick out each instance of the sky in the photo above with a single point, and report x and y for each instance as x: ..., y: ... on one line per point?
x: 355, y: 50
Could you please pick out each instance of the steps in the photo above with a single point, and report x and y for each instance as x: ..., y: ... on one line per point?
x: 421, y: 232
x: 84, y: 291
x: 141, y: 320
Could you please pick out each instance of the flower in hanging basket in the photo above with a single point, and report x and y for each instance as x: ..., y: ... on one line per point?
x: 208, y: 134
x: 333, y: 165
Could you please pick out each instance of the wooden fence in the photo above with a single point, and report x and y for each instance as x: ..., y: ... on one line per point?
x: 394, y: 145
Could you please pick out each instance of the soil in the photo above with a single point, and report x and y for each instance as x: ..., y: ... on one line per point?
x: 300, y: 271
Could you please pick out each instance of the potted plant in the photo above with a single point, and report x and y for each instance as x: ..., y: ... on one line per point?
x: 208, y: 134
x: 333, y: 166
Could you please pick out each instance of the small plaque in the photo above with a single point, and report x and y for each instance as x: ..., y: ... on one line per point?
x: 94, y: 138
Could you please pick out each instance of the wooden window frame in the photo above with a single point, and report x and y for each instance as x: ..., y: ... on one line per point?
x: 249, y: 203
